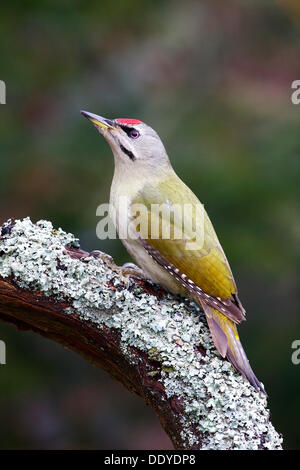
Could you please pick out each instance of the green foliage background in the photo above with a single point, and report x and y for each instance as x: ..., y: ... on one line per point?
x: 214, y: 79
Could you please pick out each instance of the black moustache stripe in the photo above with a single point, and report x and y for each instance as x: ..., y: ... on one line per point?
x: 127, y: 152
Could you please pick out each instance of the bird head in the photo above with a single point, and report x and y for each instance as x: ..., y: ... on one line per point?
x: 134, y: 144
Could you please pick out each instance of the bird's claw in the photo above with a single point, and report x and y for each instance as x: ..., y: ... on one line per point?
x: 124, y: 272
x: 129, y: 270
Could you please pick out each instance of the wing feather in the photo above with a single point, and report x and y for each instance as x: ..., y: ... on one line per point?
x: 205, y: 266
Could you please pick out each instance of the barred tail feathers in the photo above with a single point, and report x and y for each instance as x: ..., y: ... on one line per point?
x: 226, y: 339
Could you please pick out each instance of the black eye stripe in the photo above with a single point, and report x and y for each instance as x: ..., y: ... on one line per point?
x: 126, y: 129
x: 127, y: 152
x: 129, y: 131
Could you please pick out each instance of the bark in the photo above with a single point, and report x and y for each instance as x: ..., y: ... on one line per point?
x: 156, y: 344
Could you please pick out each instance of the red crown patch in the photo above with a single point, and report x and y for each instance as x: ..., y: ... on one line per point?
x: 129, y: 122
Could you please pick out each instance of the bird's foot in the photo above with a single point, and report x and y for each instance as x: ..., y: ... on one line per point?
x: 124, y: 272
x: 132, y: 269
x: 107, y: 259
x: 129, y: 270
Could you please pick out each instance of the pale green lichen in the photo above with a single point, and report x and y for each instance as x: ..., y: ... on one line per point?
x: 220, y: 406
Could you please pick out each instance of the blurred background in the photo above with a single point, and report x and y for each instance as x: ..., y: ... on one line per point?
x: 214, y: 79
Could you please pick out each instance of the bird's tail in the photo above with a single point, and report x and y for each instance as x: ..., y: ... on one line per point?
x: 227, y: 341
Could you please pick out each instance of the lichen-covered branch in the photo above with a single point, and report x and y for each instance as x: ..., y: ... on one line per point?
x: 156, y: 344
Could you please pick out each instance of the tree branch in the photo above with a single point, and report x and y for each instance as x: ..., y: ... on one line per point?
x: 158, y: 345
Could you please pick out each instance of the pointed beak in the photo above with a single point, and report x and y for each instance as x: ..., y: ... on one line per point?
x: 99, y: 121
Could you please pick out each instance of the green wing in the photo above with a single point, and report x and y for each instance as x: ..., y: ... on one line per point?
x: 198, y: 253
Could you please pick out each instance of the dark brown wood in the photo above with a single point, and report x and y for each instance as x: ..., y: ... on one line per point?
x: 30, y: 310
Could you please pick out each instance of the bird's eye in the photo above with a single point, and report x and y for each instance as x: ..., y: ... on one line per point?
x: 133, y: 134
